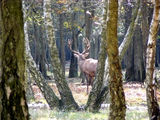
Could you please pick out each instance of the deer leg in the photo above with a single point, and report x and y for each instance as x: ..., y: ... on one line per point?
x: 83, y: 78
x: 86, y: 76
x: 91, y: 81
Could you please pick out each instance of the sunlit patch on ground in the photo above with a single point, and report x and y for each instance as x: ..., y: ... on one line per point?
x: 135, y: 99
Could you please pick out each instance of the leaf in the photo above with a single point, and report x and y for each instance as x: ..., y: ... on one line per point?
x: 66, y: 24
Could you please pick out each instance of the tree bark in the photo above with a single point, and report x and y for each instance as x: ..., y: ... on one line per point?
x: 117, y: 98
x: 46, y: 90
x: 42, y: 52
x: 73, y: 70
x: 52, y: 100
x: 14, y: 105
x: 97, y: 98
x: 61, y: 83
x: 89, y: 14
x: 29, y: 89
x: 1, y: 51
x: 153, y: 107
x: 145, y: 26
x: 92, y: 104
x: 62, y: 42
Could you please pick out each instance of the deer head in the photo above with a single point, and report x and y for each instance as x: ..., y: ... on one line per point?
x: 84, y: 54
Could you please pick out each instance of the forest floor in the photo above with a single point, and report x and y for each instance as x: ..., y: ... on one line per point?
x: 134, y: 92
x: 135, y: 95
x: 135, y: 100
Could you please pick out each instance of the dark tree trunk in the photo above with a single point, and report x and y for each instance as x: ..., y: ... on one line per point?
x: 127, y: 14
x: 145, y: 27
x: 62, y: 42
x: 36, y: 43
x: 14, y: 105
x: 135, y: 70
x: 157, y: 62
x: 139, y: 69
x: 73, y: 71
x: 42, y: 58
x: 89, y: 14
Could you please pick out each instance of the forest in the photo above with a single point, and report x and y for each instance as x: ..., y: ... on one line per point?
x: 79, y: 60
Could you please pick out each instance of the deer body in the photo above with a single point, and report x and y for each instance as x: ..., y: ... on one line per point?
x: 87, y: 66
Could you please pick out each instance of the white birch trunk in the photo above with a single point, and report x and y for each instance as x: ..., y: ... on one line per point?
x: 153, y: 107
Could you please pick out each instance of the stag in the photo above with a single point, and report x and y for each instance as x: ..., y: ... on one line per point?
x: 87, y: 65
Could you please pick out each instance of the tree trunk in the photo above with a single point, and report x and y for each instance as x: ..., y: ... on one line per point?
x: 46, y: 90
x: 1, y: 51
x: 14, y: 105
x: 49, y: 95
x: 36, y: 42
x: 92, y: 104
x: 59, y: 76
x: 42, y: 56
x: 95, y: 104
x: 73, y: 70
x: 89, y: 14
x: 139, y: 68
x: 62, y: 42
x: 145, y: 27
x: 135, y: 70
x: 134, y: 60
x: 153, y: 107
x: 29, y: 90
x: 117, y: 98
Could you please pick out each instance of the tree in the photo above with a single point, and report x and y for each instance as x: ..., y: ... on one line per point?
x: 62, y: 42
x: 92, y: 104
x: 12, y: 92
x: 117, y: 98
x: 64, y: 90
x: 73, y: 70
x: 52, y: 100
x: 134, y: 60
x: 100, y: 86
x: 153, y: 107
x: 145, y: 26
x: 1, y: 48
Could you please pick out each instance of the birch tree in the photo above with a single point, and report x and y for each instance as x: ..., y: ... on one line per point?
x: 12, y: 92
x: 117, y: 98
x: 153, y: 107
x: 100, y: 86
x: 64, y: 90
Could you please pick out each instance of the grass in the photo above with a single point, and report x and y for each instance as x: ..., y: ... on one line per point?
x: 45, y: 114
x: 135, y: 99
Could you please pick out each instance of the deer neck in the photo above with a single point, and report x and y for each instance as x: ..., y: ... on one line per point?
x: 80, y: 63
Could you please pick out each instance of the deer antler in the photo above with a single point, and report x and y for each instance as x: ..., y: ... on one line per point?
x: 70, y: 47
x: 87, y: 45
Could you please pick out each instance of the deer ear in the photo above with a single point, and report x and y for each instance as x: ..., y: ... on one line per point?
x: 76, y: 55
x: 86, y: 55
